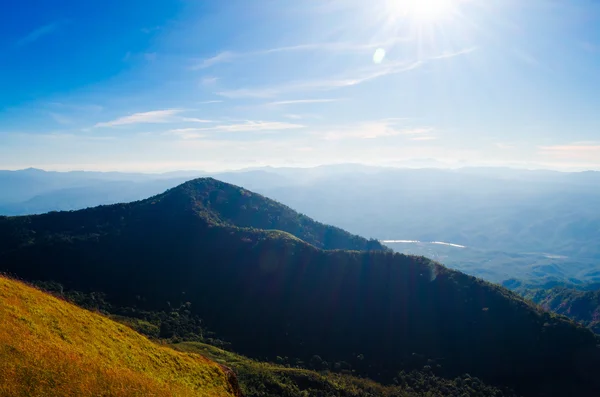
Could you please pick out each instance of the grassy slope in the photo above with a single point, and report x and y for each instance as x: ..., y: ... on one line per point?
x: 259, y: 379
x: 49, y: 347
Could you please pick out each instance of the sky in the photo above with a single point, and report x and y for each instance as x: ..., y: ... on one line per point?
x: 153, y: 86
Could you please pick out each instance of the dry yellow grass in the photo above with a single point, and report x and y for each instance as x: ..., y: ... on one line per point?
x: 49, y: 347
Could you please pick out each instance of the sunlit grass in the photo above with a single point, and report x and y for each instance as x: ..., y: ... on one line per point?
x: 51, y: 348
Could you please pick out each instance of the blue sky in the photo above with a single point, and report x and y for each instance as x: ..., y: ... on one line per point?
x: 165, y: 85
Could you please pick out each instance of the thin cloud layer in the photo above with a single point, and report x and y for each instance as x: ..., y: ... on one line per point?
x: 375, y: 130
x: 152, y: 117
x: 248, y: 126
x: 335, y: 47
x: 222, y: 57
x: 301, y: 101
x: 583, y: 151
x: 321, y: 85
x: 351, y: 79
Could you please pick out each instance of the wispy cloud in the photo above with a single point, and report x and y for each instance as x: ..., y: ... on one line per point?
x: 303, y: 116
x: 225, y: 56
x: 39, y: 33
x: 301, y: 102
x: 209, y: 80
x: 194, y: 120
x: 153, y: 117
x: 374, y: 130
x: 452, y: 54
x: 356, y: 78
x: 188, y: 134
x: 350, y: 79
x: 207, y: 102
x: 64, y: 136
x: 335, y: 46
x: 60, y: 118
x: 251, y: 93
x: 75, y: 107
x: 229, y: 56
x: 581, y: 151
x: 247, y: 126
x: 423, y: 138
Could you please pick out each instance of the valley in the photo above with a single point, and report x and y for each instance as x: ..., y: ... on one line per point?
x: 499, y: 266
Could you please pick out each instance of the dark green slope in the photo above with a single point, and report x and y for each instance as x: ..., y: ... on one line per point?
x: 272, y: 294
x: 225, y: 204
x: 218, y: 203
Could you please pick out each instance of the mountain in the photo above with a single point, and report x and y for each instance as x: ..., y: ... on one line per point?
x: 49, y: 347
x: 523, y: 224
x: 230, y: 205
x: 514, y: 223
x: 270, y: 293
x: 225, y: 204
x: 579, y: 305
x: 23, y: 185
x: 35, y: 191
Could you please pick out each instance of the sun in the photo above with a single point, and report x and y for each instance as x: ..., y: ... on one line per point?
x: 422, y: 10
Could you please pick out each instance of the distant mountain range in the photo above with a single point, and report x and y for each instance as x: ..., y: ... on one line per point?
x: 34, y: 191
x: 275, y: 283
x: 528, y: 225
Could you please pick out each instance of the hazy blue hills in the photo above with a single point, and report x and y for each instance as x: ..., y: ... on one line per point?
x: 513, y: 223
x: 34, y: 191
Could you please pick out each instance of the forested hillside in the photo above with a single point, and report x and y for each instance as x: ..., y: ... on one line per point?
x: 581, y: 306
x: 227, y: 204
x: 271, y: 294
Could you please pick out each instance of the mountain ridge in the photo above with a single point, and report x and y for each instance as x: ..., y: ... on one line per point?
x: 228, y: 204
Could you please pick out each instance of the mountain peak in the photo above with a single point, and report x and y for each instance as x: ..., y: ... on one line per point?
x: 225, y: 204
x: 32, y: 170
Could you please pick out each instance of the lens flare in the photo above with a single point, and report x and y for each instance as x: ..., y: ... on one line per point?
x: 379, y: 55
